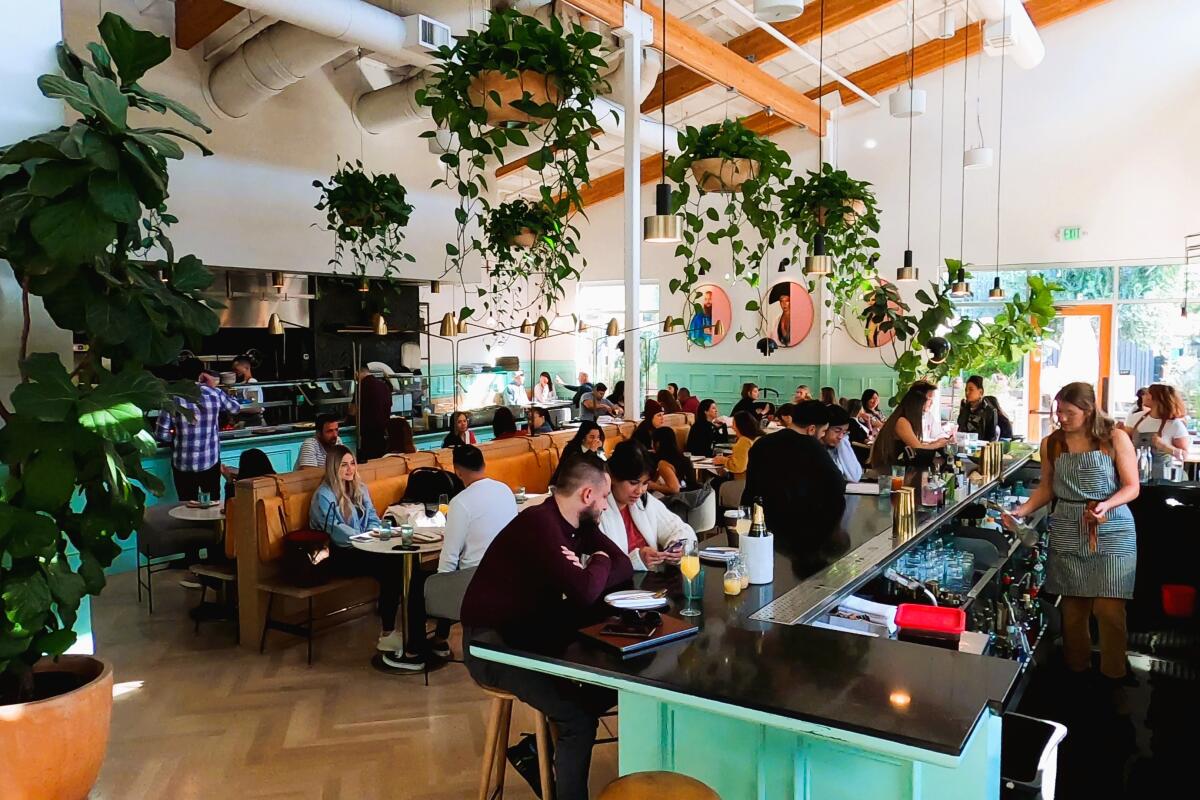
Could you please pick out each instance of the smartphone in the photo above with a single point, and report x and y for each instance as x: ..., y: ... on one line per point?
x: 674, y: 546
x: 405, y: 548
x: 633, y: 631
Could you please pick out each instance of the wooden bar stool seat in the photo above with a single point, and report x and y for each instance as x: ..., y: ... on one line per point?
x: 655, y: 785
x: 495, y: 746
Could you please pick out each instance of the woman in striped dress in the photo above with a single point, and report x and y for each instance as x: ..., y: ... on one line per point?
x: 1089, y: 474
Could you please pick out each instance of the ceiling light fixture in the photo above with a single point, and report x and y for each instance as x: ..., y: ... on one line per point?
x: 778, y: 10
x: 997, y: 291
x: 663, y: 227
x: 435, y: 287
x: 449, y: 327
x: 379, y: 325
x: 960, y: 287
x: 948, y: 29
x: 275, y: 325
x: 613, y: 328
x: 908, y: 272
x: 277, y: 280
x: 364, y: 285
x: 527, y: 327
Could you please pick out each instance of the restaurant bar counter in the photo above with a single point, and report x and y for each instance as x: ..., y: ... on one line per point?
x: 762, y: 704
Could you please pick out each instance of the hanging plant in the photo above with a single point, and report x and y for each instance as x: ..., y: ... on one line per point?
x: 81, y: 206
x: 746, y: 171
x: 367, y: 216
x: 844, y: 210
x: 527, y: 243
x: 517, y: 82
x: 975, y: 345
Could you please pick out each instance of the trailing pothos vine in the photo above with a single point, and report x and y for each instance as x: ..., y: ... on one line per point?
x: 527, y: 243
x: 554, y: 73
x: 1014, y: 331
x: 844, y: 211
x: 715, y: 154
x: 367, y: 215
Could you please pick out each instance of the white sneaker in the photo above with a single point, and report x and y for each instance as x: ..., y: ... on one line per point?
x: 391, y: 642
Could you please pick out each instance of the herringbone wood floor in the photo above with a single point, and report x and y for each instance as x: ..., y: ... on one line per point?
x: 212, y: 720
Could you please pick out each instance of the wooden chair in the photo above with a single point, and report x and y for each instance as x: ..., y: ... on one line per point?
x: 305, y: 628
x: 495, y: 747
x: 655, y: 785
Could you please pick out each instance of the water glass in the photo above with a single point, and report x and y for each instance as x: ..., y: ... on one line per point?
x: 521, y: 494
x: 385, y: 530
x: 885, y: 485
x: 693, y: 588
x: 202, y: 496
x: 406, y: 534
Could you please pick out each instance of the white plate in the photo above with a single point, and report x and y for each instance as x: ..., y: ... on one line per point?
x: 720, y: 554
x: 635, y: 599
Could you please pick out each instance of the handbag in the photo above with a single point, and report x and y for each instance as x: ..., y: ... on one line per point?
x: 306, y: 555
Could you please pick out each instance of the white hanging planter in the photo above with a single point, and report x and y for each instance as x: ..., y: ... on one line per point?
x: 904, y: 102
x: 977, y: 158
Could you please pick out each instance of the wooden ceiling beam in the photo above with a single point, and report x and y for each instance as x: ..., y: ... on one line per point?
x: 759, y: 46
x: 716, y: 62
x: 876, y: 78
x: 196, y: 20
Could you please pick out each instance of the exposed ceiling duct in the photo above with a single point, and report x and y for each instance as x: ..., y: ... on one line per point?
x: 1010, y: 31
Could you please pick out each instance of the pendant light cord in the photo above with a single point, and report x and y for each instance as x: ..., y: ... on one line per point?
x: 821, y: 95
x: 1000, y: 147
x: 942, y: 141
x: 663, y: 102
x: 962, y: 213
x: 912, y: 26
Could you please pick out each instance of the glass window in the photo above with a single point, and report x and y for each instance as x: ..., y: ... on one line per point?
x: 1081, y: 283
x: 599, y: 355
x: 1159, y: 282
x: 1156, y: 343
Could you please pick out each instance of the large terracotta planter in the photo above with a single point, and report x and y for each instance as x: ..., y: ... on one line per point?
x: 723, y: 174
x: 52, y: 749
x: 541, y: 88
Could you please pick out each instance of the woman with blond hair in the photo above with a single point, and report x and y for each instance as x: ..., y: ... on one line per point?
x: 341, y: 507
x: 1089, y: 474
x: 1160, y: 425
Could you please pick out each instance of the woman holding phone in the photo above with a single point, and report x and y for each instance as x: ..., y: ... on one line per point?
x: 636, y: 520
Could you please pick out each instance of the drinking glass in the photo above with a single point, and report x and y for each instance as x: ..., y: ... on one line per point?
x: 444, y: 503
x: 693, y: 577
x: 202, y: 497
x: 385, y: 530
x: 732, y: 583
x: 521, y: 494
x: 406, y: 535
x: 742, y: 526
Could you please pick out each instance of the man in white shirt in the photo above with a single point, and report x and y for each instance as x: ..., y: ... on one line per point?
x: 514, y: 393
x: 477, y: 513
x: 840, y: 449
x: 314, y: 451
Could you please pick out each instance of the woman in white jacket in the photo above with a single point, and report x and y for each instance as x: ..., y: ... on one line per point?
x: 636, y: 520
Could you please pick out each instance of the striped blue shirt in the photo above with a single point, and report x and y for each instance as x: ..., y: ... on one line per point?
x: 197, y: 444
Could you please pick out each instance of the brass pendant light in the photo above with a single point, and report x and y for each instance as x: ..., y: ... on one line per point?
x: 613, y: 329
x: 541, y: 328
x: 275, y: 325
x: 662, y: 227
x: 817, y: 263
x: 527, y: 327
x: 435, y: 287
x: 669, y: 325
x: 364, y: 285
x: 960, y: 288
x: 448, y: 327
x: 379, y: 325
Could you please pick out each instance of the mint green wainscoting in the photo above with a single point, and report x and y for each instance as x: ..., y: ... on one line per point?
x: 745, y: 754
x: 723, y: 382
x: 851, y: 380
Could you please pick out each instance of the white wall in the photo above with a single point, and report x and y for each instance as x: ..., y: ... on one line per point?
x: 27, y: 41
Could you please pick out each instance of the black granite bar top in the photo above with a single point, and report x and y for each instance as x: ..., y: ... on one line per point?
x: 923, y: 696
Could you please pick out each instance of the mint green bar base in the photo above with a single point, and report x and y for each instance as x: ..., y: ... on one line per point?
x: 745, y: 754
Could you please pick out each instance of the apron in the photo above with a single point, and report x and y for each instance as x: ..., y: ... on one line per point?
x: 1159, y: 461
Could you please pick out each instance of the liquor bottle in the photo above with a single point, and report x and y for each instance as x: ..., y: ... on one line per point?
x: 758, y: 524
x: 759, y: 547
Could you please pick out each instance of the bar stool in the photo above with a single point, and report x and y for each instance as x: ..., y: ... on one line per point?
x: 653, y: 785
x: 495, y: 746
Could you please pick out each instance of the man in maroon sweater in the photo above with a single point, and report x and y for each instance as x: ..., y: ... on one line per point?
x: 539, y: 579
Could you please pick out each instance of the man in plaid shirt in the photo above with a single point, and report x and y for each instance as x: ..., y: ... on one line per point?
x: 196, y: 454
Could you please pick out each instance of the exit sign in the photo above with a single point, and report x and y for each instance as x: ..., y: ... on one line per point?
x: 1070, y: 234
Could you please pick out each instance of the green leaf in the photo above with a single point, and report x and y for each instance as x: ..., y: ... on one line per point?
x: 50, y: 396
x: 158, y: 143
x: 108, y: 320
x: 26, y: 601
x: 52, y: 178
x: 48, y: 480
x: 56, y: 643
x: 156, y: 99
x: 31, y: 535
x: 114, y: 194
x: 108, y: 99
x: 178, y: 134
x: 134, y: 51
x: 75, y: 94
x: 72, y: 231
x: 100, y: 150
x: 190, y: 275
x: 101, y: 60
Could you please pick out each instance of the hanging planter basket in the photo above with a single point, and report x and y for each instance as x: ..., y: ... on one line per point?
x: 850, y: 217
x: 541, y: 88
x: 723, y: 174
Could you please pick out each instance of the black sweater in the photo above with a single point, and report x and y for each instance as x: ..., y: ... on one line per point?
x: 802, y: 490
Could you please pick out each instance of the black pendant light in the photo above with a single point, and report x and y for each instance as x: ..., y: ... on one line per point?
x: 816, y: 262
x: 908, y: 272
x: 960, y: 287
x: 997, y: 291
x: 662, y: 226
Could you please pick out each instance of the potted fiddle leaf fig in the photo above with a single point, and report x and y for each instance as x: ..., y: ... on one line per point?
x: 367, y: 215
x: 81, y: 208
x: 843, y: 210
x: 744, y: 171
x: 516, y: 83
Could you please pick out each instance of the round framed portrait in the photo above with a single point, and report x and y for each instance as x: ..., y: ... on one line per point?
x: 709, y: 305
x: 868, y: 335
x: 789, y: 313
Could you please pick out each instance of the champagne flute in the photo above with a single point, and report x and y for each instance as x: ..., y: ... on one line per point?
x: 444, y: 503
x: 742, y: 526
x: 689, y: 565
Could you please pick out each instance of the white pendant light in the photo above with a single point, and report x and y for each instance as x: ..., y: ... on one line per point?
x: 907, y: 102
x: 977, y: 158
x: 948, y: 26
x: 778, y: 10
x: 663, y: 227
